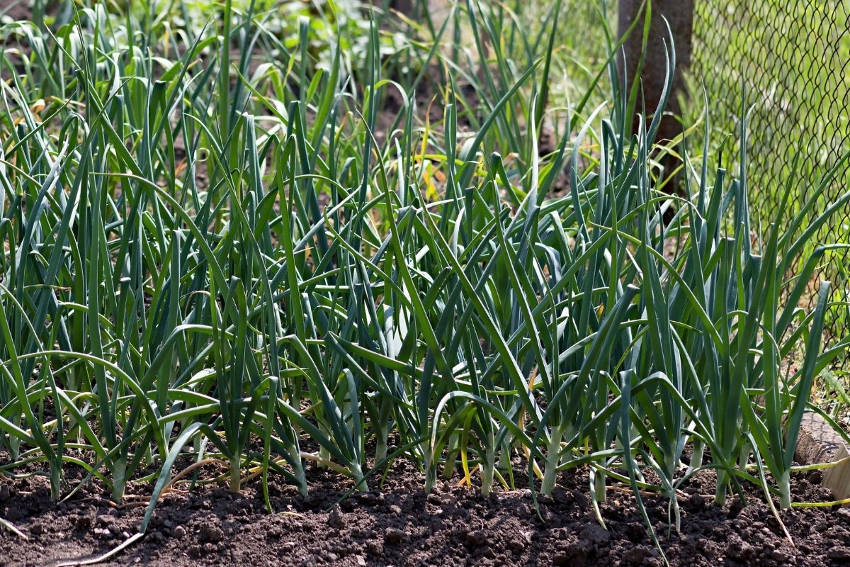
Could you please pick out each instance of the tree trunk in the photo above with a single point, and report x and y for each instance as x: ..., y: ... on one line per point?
x: 680, y: 15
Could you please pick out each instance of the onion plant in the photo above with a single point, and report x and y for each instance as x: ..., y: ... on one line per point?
x: 251, y: 255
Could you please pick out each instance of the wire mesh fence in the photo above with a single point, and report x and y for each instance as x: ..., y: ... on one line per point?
x: 789, y: 62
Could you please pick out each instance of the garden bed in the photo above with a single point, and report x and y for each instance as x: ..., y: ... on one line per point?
x: 352, y: 238
x: 399, y: 524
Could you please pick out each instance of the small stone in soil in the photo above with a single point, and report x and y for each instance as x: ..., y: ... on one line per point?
x: 210, y: 533
x: 179, y: 532
x: 434, y: 498
x: 335, y: 519
x: 101, y: 532
x: 370, y: 498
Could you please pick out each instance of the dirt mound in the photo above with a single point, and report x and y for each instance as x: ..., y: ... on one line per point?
x: 399, y: 524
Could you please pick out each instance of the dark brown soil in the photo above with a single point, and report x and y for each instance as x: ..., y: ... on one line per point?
x: 399, y: 524
x: 15, y: 10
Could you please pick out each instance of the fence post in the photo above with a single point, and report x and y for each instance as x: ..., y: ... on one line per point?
x: 680, y: 15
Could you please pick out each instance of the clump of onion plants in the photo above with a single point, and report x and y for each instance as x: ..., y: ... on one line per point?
x: 249, y: 263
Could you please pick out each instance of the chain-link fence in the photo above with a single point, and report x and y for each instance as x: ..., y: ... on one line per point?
x: 790, y: 61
